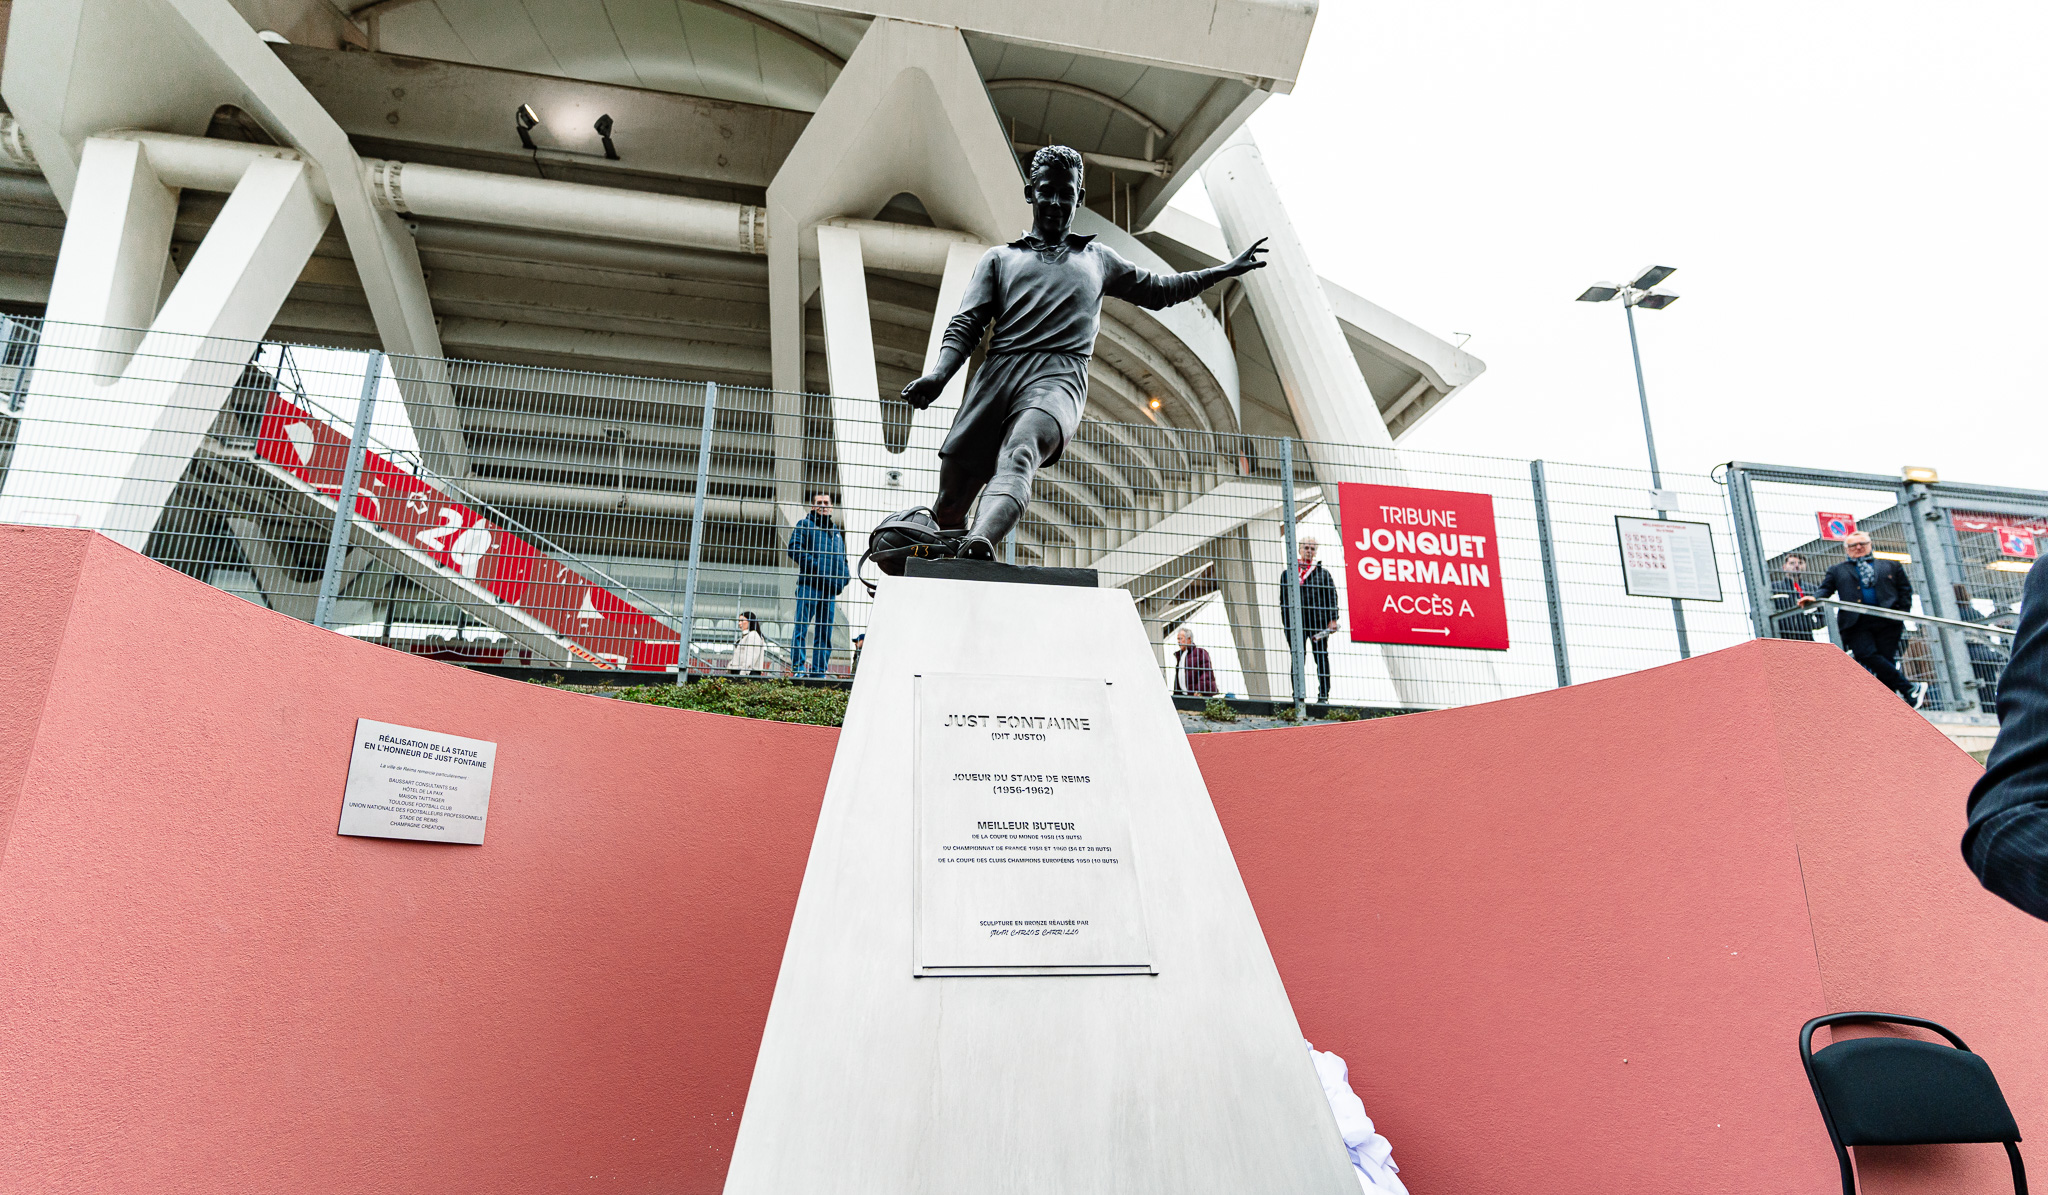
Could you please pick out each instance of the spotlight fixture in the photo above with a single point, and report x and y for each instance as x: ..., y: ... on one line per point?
x: 1599, y: 292
x: 2010, y: 566
x: 604, y: 134
x: 525, y: 120
x: 1656, y: 300
x: 1650, y: 276
x: 1923, y: 474
x: 1154, y: 403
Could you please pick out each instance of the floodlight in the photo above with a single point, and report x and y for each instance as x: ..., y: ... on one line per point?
x: 1633, y: 295
x: 2010, y: 566
x: 604, y: 134
x: 524, y: 120
x: 1901, y: 557
x: 1920, y: 473
x: 1155, y: 404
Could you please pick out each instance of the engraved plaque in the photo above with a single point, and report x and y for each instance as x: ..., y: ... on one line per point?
x: 407, y: 783
x: 1024, y: 863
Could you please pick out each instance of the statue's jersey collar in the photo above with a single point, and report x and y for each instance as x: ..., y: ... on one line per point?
x: 1031, y: 241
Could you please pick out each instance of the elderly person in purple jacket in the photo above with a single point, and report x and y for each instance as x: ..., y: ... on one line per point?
x: 1193, y: 674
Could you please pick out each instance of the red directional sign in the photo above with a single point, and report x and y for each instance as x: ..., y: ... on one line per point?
x: 1422, y: 567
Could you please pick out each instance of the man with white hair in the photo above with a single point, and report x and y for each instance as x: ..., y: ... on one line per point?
x: 1872, y: 638
x: 1318, y: 612
x: 1193, y: 673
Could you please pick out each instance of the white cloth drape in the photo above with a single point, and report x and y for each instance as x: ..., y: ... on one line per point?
x: 1372, y: 1158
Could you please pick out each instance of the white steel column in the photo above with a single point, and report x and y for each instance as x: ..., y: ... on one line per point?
x: 1325, y: 392
x: 106, y: 435
x: 1328, y: 397
x: 856, y: 392
x: 928, y: 427
x: 114, y: 255
x: 1236, y: 576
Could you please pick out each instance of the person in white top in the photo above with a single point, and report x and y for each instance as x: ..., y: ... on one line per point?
x: 750, y: 653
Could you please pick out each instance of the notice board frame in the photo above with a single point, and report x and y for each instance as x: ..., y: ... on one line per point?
x: 1713, y: 554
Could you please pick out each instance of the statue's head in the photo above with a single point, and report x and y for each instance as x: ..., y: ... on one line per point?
x: 1054, y: 189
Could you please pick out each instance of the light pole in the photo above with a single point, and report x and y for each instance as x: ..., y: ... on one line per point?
x: 1641, y: 293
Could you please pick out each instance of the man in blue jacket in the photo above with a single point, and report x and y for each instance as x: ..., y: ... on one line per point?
x: 818, y: 546
x: 2006, y: 843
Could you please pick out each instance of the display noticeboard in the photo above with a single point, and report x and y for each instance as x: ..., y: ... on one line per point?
x: 1422, y: 567
x: 1667, y: 558
x: 404, y: 782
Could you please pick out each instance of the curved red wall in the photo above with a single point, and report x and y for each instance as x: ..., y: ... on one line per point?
x: 204, y: 988
x: 1485, y: 910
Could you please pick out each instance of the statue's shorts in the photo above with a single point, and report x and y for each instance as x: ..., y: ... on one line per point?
x: 1005, y: 387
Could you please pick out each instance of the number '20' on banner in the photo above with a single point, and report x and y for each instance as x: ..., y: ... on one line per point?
x: 1422, y: 567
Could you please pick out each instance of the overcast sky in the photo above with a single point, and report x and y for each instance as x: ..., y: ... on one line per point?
x: 1852, y: 194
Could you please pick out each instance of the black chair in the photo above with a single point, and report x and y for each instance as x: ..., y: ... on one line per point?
x: 1896, y: 1091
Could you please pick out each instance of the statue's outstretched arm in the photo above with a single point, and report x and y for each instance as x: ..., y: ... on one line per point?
x: 1154, y: 291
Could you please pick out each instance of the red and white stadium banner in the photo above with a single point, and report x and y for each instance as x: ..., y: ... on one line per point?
x: 2017, y: 536
x: 1423, y: 567
x: 598, y: 626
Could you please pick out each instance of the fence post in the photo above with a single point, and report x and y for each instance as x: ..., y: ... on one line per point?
x: 345, y: 497
x: 1749, y: 552
x: 1550, y: 585
x: 1940, y: 578
x: 709, y: 420
x: 1292, y: 574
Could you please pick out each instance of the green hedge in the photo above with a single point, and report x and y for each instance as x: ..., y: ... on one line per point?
x: 775, y: 700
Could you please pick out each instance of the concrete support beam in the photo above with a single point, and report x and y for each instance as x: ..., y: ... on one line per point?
x: 1240, y: 591
x: 112, y: 261
x: 1325, y: 392
x: 856, y: 395
x: 908, y: 114
x: 1331, y: 404
x: 1208, y: 516
x: 106, y: 433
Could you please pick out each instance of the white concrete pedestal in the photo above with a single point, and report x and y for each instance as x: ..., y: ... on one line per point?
x: 869, y: 1079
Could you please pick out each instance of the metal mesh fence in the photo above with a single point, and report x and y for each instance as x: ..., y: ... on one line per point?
x: 515, y: 515
x: 1964, y: 549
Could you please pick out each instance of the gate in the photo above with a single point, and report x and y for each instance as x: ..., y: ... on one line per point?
x: 1966, y: 548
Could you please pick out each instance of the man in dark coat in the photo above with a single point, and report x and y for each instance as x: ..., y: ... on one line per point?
x: 1193, y: 674
x: 818, y: 546
x: 1871, y: 638
x: 1791, y: 585
x: 1318, y: 612
x: 2006, y: 843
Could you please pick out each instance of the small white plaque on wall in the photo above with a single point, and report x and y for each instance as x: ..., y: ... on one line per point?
x: 409, y: 783
x: 1023, y: 835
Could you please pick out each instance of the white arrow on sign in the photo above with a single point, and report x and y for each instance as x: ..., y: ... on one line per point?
x: 1444, y: 631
